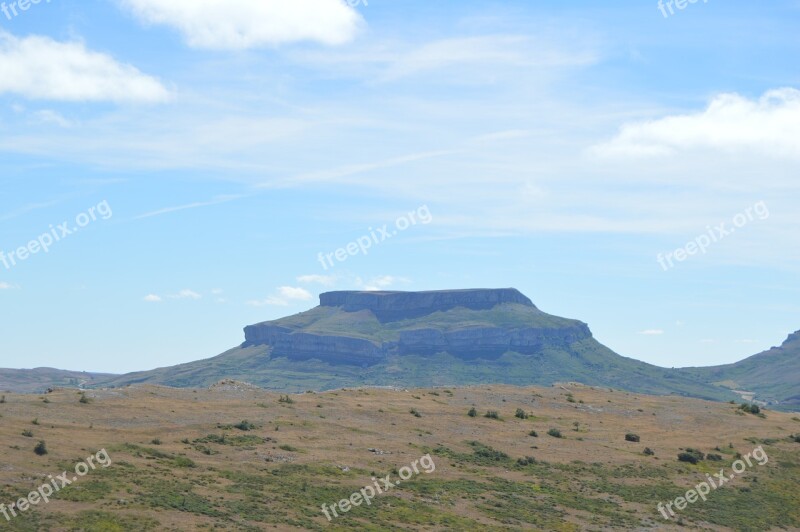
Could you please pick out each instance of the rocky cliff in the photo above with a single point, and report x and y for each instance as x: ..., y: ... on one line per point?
x: 394, y: 306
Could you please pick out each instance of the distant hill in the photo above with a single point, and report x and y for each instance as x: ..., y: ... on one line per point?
x: 411, y: 339
x: 773, y: 376
x: 40, y: 379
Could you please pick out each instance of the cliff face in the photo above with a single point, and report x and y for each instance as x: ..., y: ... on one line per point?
x: 460, y: 327
x: 395, y: 306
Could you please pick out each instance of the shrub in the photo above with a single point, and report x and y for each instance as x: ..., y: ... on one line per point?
x: 286, y: 399
x: 2, y: 399
x: 750, y: 409
x: 632, y: 437
x: 182, y: 461
x: 520, y: 413
x: 415, y: 412
x: 472, y: 412
x: 35, y: 421
x: 27, y: 433
x: 691, y: 455
x: 528, y: 460
x: 714, y: 457
x: 795, y: 438
x: 555, y: 433
x: 41, y: 448
x: 648, y: 451
x: 244, y: 426
x: 570, y: 398
x: 533, y: 433
x: 288, y: 448
x: 84, y: 400
x: 155, y: 441
x: 492, y: 414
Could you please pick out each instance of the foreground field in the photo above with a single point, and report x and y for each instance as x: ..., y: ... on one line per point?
x: 234, y: 457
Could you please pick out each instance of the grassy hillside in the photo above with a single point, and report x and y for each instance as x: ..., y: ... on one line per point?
x: 39, y: 379
x: 773, y: 375
x: 587, y: 362
x: 186, y: 460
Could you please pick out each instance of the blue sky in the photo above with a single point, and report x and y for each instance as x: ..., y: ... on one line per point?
x: 212, y: 150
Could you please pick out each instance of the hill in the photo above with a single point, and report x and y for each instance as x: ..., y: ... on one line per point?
x: 233, y: 457
x: 771, y: 377
x: 40, y: 379
x: 409, y: 339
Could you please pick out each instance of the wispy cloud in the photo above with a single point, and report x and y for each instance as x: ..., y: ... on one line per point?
x: 327, y: 280
x: 167, y: 210
x: 5, y: 286
x: 152, y: 298
x: 336, y: 174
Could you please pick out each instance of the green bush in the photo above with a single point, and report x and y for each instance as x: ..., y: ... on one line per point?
x: 520, y: 413
x: 648, y: 451
x: 27, y: 433
x: 182, y: 461
x: 41, y: 448
x: 555, y: 433
x: 472, y: 412
x: 632, y: 437
x: 245, y: 425
x: 415, y: 412
x: 691, y: 455
x: 750, y: 409
x: 533, y: 433
x: 492, y: 414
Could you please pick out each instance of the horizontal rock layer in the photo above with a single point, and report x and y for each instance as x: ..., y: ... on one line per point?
x: 395, y: 306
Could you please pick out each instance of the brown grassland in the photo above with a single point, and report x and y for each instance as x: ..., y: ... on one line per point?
x: 234, y: 457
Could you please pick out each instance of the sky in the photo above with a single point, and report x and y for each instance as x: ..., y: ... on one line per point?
x: 171, y: 172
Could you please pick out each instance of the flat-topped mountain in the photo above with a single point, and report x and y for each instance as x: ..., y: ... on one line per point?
x: 445, y: 337
x: 366, y: 328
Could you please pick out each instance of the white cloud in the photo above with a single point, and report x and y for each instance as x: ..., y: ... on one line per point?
x: 284, y: 296
x: 652, y: 332
x: 243, y: 24
x: 186, y: 294
x: 5, y: 286
x: 732, y: 123
x: 40, y: 68
x: 326, y: 280
x: 152, y: 298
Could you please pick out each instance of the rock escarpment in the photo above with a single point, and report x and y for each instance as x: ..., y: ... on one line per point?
x: 365, y: 328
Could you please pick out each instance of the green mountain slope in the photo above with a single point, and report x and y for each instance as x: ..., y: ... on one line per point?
x: 773, y: 375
